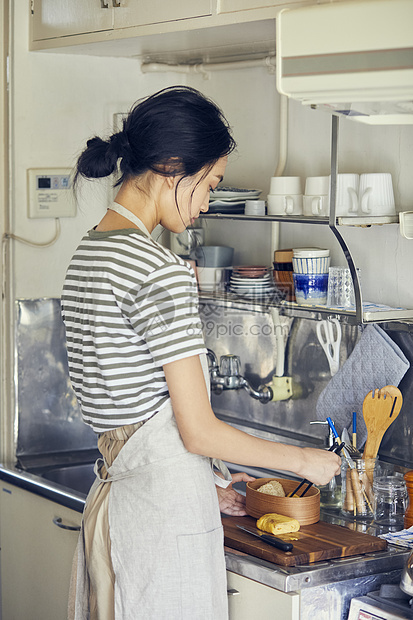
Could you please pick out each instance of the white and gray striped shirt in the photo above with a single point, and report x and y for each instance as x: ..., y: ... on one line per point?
x: 129, y: 306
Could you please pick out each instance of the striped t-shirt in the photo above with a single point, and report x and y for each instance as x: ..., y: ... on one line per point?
x: 129, y: 306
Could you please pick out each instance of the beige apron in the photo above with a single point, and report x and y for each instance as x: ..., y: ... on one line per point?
x: 166, y: 538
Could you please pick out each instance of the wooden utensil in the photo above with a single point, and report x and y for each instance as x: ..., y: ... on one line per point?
x: 380, y: 409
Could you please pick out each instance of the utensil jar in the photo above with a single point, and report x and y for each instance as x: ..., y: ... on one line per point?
x: 356, y: 488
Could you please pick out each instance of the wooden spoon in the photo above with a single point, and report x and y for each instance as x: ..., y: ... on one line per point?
x: 380, y: 409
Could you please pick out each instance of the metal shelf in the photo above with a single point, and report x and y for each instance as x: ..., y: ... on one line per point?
x: 266, y: 218
x: 287, y: 308
x: 362, y: 222
x: 360, y: 314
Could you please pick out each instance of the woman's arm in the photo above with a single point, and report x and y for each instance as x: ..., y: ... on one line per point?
x: 203, y: 433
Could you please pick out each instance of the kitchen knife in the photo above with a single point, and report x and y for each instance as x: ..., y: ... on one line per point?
x: 268, y: 538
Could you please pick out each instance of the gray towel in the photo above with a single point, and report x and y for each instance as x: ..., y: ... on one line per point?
x: 375, y: 361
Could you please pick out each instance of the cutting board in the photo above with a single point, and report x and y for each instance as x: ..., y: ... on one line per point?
x: 313, y: 543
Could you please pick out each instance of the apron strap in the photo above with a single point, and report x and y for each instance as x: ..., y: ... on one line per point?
x: 215, y: 463
x: 220, y: 465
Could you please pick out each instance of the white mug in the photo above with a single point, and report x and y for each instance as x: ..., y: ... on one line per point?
x: 211, y: 278
x: 347, y: 194
x: 281, y: 204
x: 376, y: 194
x: 317, y: 186
x: 254, y: 207
x: 316, y: 205
x: 290, y: 186
x: 316, y: 200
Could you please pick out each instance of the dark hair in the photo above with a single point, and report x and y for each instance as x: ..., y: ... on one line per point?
x: 176, y: 131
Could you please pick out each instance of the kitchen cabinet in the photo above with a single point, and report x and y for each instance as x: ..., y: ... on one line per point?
x: 246, y: 597
x: 36, y: 555
x: 61, y: 18
x: 50, y: 19
x: 231, y: 6
x: 157, y: 30
x: 142, y: 12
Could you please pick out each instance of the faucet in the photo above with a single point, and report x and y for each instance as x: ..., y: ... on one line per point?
x: 330, y: 439
x: 226, y: 376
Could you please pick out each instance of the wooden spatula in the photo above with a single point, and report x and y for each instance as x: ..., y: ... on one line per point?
x: 380, y: 409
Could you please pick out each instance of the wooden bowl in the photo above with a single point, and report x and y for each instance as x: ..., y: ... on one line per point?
x: 305, y: 509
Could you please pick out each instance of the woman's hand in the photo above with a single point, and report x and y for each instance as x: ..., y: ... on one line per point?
x: 230, y: 501
x: 319, y: 466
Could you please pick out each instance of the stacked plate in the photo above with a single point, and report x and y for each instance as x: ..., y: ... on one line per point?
x: 231, y: 199
x: 252, y: 281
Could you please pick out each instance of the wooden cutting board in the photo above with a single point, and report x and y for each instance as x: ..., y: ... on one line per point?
x: 313, y: 543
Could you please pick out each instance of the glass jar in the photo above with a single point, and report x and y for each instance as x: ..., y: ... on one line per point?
x: 357, y: 487
x: 390, y: 500
x: 330, y: 494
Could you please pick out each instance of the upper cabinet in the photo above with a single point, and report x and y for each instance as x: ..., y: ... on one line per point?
x: 230, y: 6
x: 51, y: 19
x: 157, y: 29
x: 61, y: 18
x: 142, y: 12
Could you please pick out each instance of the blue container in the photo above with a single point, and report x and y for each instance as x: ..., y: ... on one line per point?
x: 311, y: 288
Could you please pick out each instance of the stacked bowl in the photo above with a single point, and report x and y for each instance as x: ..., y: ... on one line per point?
x: 252, y: 281
x: 310, y: 266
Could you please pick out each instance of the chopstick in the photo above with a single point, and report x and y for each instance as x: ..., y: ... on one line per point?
x: 334, y: 448
x: 355, y: 429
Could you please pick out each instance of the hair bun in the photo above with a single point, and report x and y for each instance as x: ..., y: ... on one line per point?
x: 119, y: 142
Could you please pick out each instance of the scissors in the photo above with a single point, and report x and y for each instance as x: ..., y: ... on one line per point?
x: 329, y: 336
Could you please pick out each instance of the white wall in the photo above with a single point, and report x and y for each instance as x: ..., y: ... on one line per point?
x: 60, y: 100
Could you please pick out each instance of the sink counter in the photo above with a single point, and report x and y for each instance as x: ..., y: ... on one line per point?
x: 36, y: 483
x: 56, y: 485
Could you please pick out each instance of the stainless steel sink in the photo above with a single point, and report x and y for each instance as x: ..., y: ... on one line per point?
x: 78, y: 478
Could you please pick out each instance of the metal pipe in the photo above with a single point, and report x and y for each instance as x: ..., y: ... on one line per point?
x: 282, y: 160
x: 206, y: 67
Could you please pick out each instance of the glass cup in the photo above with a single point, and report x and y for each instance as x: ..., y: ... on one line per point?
x: 357, y: 488
x: 390, y: 500
x: 340, y: 288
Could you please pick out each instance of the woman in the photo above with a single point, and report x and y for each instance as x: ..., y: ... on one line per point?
x: 151, y: 544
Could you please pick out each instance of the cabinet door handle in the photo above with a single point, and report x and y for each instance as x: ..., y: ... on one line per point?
x: 115, y: 4
x: 58, y: 521
x: 232, y: 592
x: 103, y: 4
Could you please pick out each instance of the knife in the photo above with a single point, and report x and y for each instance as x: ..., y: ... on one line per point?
x: 268, y: 538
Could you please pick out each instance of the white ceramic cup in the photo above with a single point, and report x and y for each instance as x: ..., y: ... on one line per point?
x: 316, y: 202
x: 285, y: 204
x: 376, y: 195
x: 254, y: 207
x: 286, y: 186
x: 316, y: 205
x: 347, y: 194
x: 317, y: 186
x: 211, y: 278
x: 311, y: 260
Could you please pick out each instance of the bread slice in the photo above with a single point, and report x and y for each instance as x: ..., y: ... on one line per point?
x: 277, y: 524
x: 273, y: 487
